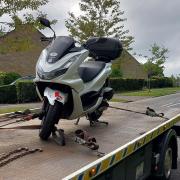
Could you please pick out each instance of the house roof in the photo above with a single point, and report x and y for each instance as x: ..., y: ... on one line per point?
x: 23, y: 25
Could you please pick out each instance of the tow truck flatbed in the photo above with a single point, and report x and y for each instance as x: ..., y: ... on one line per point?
x: 126, y: 133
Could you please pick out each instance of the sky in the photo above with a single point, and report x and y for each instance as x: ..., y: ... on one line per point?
x: 152, y: 21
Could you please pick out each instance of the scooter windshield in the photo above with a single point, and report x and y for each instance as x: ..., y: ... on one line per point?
x: 59, y: 48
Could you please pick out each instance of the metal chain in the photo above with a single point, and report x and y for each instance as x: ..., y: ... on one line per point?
x: 15, y: 115
x: 82, y: 138
x: 5, y: 119
x: 11, y: 117
x: 14, y: 122
x: 4, y: 156
x: 18, y: 153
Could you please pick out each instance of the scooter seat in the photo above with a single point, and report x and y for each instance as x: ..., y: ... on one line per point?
x: 90, y: 69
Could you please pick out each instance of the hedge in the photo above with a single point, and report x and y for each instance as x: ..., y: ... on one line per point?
x: 7, y: 78
x: 8, y: 94
x: 119, y: 84
x: 161, y: 82
x: 26, y: 92
x: 116, y: 73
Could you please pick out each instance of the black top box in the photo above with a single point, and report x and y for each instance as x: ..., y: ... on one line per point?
x: 104, y: 49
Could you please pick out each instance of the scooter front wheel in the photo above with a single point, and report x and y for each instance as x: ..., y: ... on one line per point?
x: 49, y: 121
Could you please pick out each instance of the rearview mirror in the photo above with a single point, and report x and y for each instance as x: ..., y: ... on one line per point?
x: 45, y: 22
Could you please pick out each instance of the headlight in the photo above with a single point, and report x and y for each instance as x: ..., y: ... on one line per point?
x: 57, y: 72
x: 50, y: 75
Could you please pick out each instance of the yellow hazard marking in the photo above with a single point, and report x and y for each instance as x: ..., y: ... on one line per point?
x: 118, y: 156
x: 161, y: 130
x: 86, y: 175
x: 168, y: 125
x: 130, y: 149
x: 155, y: 134
x: 105, y: 164
x: 148, y: 138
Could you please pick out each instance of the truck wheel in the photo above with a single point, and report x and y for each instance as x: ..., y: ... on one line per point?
x: 49, y: 121
x: 166, y: 148
x: 168, y: 158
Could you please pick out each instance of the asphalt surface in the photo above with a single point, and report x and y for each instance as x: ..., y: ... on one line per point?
x: 57, y: 162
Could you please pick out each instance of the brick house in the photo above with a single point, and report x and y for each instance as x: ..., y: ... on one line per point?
x: 130, y: 67
x: 20, y: 49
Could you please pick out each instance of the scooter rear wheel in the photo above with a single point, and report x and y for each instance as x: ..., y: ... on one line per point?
x: 49, y: 121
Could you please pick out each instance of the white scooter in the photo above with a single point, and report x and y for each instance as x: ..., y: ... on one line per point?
x: 73, y: 81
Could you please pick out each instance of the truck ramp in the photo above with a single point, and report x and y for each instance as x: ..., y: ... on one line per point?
x: 56, y: 162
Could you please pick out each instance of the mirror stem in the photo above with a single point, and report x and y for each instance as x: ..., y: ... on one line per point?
x: 54, y: 33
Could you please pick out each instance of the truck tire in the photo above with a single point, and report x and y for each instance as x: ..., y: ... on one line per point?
x: 166, y: 147
x: 167, y: 164
x: 49, y: 121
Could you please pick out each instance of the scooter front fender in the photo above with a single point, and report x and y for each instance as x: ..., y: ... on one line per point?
x: 55, y: 95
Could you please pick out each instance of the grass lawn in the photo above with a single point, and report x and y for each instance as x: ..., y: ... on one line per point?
x: 11, y: 109
x: 153, y: 92
x: 119, y: 100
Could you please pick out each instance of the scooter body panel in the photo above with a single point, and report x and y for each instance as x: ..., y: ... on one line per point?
x: 55, y: 95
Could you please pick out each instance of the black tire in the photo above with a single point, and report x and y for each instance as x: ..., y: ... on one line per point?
x: 166, y: 147
x: 93, y: 117
x: 167, y: 164
x: 166, y: 169
x: 49, y: 121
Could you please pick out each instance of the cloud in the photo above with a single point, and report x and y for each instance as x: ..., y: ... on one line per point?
x: 155, y: 21
x: 58, y: 9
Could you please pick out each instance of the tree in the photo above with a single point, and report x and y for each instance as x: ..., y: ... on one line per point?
x: 155, y: 63
x: 176, y: 80
x: 116, y: 73
x: 99, y: 18
x: 30, y: 19
x: 13, y: 7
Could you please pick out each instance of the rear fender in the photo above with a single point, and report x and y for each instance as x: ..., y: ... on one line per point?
x: 55, y: 95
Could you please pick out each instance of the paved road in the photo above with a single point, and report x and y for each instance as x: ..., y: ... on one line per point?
x: 56, y: 162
